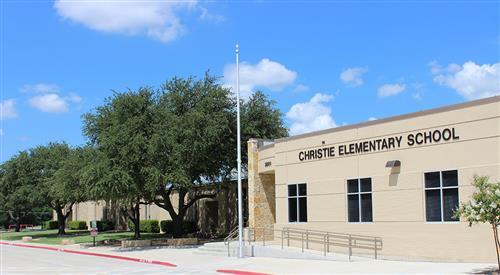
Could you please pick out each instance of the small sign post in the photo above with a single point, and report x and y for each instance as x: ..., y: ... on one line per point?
x: 93, y: 230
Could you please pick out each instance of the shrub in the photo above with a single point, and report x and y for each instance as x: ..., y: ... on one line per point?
x: 105, y: 225
x: 49, y: 225
x: 77, y: 225
x: 149, y: 226
x: 167, y: 226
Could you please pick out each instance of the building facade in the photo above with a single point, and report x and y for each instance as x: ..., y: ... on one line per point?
x: 214, y: 216
x: 398, y: 178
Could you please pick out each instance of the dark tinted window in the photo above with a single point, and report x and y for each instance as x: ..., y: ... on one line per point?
x: 366, y: 185
x: 366, y: 208
x: 450, y: 203
x: 352, y: 186
x: 353, y: 208
x: 302, y: 189
x: 292, y: 209
x: 297, y: 203
x: 432, y: 205
x: 292, y: 190
x: 303, y: 209
x: 450, y: 178
x: 432, y: 180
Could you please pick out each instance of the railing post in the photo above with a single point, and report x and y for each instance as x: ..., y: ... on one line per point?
x: 228, y: 254
x: 324, y: 245
x: 287, y: 237
x: 375, y: 244
x: 350, y: 247
x: 307, y: 239
x: 302, y: 237
x: 327, y: 242
x: 282, y: 238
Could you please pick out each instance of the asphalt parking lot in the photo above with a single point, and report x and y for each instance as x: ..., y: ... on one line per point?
x: 19, y: 260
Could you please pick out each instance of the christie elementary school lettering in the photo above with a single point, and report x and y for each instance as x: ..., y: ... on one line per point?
x: 381, y: 144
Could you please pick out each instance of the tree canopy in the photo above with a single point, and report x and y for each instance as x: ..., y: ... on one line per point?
x: 178, y: 137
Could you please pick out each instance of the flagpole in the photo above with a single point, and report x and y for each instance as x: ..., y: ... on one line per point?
x: 240, y: 199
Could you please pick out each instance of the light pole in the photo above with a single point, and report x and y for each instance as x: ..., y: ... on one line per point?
x: 240, y: 210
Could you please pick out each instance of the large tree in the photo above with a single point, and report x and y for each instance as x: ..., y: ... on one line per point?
x: 18, y: 187
x: 58, y: 167
x: 121, y: 131
x: 196, y: 139
x: 193, y: 136
x: 155, y: 145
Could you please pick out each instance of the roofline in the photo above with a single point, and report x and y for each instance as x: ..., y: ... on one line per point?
x: 447, y: 108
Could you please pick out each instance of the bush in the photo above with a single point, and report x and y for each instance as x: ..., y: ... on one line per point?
x: 167, y: 226
x: 105, y: 225
x: 49, y: 225
x: 77, y: 225
x: 149, y: 226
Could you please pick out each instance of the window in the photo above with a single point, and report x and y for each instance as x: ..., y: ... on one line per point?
x: 441, y: 195
x: 297, y: 202
x: 359, y: 200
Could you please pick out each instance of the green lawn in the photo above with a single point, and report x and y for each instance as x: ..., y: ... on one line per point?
x: 79, y: 236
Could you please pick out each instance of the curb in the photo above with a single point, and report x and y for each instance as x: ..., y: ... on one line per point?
x: 124, y: 258
x: 240, y: 272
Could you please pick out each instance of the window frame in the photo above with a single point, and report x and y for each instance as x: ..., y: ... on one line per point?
x: 296, y: 197
x: 359, y: 193
x: 440, y: 188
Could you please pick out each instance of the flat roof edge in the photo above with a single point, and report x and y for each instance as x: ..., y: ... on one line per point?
x: 446, y: 108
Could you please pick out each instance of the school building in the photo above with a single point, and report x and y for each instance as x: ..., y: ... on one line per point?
x: 398, y: 178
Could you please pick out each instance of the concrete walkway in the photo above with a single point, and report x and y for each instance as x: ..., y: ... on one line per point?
x: 191, y: 263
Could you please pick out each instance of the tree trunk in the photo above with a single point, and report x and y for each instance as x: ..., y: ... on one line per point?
x: 18, y: 225
x: 497, y: 248
x: 16, y: 219
x: 137, y: 222
x: 178, y: 229
x: 61, y: 222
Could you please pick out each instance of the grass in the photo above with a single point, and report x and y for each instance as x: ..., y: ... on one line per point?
x: 79, y: 236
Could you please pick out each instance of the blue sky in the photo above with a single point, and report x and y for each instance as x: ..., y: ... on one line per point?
x: 326, y: 63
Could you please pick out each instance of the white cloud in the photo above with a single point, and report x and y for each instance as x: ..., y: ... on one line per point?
x: 7, y: 109
x: 49, y: 103
x: 155, y: 19
x: 301, y: 88
x: 471, y: 80
x: 73, y: 98
x: 311, y: 116
x: 206, y: 15
x: 41, y: 88
x: 372, y: 119
x: 352, y: 76
x: 265, y: 74
x: 390, y: 89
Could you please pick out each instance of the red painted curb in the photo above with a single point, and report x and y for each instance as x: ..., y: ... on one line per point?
x: 93, y: 254
x: 240, y: 272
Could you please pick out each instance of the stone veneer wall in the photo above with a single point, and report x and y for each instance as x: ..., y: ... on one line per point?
x: 261, y: 196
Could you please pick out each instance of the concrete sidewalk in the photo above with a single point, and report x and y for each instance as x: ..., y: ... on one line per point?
x: 191, y: 263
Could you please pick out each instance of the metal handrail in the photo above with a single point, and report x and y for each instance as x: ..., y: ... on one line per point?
x: 328, y: 239
x: 231, y: 236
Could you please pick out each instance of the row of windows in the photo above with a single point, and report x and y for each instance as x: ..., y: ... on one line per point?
x: 441, y: 198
